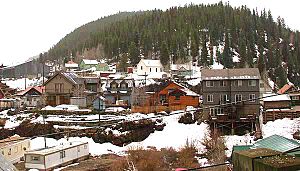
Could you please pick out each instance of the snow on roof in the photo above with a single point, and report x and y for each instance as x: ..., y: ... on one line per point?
x: 49, y: 150
x: 273, y: 97
x: 189, y: 92
x: 217, y: 65
x: 151, y: 62
x: 158, y: 75
x: 224, y: 74
x: 186, y: 66
x: 90, y: 62
x: 71, y: 64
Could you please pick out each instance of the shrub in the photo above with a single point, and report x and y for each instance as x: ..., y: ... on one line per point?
x: 187, y: 118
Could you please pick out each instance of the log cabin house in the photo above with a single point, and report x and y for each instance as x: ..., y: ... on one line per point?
x: 167, y: 96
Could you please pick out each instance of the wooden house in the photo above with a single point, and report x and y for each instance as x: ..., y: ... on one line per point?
x: 31, y: 96
x: 118, y: 92
x: 62, y: 86
x: 230, y: 97
x: 13, y: 148
x: 170, y: 96
x: 52, y: 157
x: 181, y: 70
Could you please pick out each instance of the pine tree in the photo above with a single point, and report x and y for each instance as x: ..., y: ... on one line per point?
x: 133, y: 53
x: 164, y: 54
x: 204, y: 52
x: 227, y: 55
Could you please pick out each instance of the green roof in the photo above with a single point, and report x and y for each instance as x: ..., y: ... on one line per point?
x: 276, y: 142
x: 241, y: 147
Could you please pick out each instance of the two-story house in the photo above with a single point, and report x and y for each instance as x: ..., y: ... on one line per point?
x: 149, y: 67
x: 118, y: 92
x: 62, y: 86
x: 230, y: 93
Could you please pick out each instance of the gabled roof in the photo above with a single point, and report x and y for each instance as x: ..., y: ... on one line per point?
x: 90, y: 62
x: 225, y: 74
x: 151, y: 62
x: 285, y: 88
x: 277, y: 142
x: 70, y: 77
x: 39, y: 89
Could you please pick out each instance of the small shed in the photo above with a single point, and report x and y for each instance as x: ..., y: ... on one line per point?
x: 273, y: 101
x: 99, y: 103
x: 49, y: 158
x: 244, y: 159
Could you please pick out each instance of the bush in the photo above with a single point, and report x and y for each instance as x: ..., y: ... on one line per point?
x: 187, y: 118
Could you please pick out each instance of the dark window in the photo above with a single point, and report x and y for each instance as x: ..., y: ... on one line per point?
x: 210, y: 98
x: 177, y: 97
x: 238, y: 97
x: 223, y: 83
x: 252, y: 83
x: 252, y: 97
x: 209, y: 83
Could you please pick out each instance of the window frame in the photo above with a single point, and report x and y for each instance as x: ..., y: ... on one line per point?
x: 210, y: 98
x: 252, y: 99
x: 235, y: 97
x: 251, y: 83
x: 209, y: 83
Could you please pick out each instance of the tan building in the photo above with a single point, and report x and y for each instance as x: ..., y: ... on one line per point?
x: 62, y: 86
x: 13, y: 148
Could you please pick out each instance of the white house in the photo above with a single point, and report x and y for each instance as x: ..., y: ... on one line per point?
x: 150, y: 67
x: 49, y: 158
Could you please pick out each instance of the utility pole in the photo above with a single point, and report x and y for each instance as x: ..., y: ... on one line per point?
x: 45, y: 143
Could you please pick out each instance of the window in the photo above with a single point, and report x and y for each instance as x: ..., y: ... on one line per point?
x: 9, y: 152
x: 209, y: 83
x: 219, y: 111
x: 141, y: 67
x: 155, y: 69
x: 2, y: 152
x: 239, y: 83
x: 177, y: 97
x: 261, y: 85
x: 85, y: 146
x: 223, y: 83
x: 150, y: 69
x: 160, y: 69
x: 252, y: 83
x: 238, y: 97
x: 59, y: 87
x: 295, y: 97
x: 211, y: 111
x: 210, y: 98
x: 78, y: 149
x: 162, y: 98
x: 223, y: 98
x: 123, y: 85
x: 114, y: 86
x: 35, y: 158
x: 62, y: 154
x: 251, y: 97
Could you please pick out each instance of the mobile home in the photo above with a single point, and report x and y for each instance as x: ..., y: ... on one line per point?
x: 13, y: 148
x: 52, y: 157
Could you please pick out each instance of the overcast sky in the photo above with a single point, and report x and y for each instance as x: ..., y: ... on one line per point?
x: 29, y: 27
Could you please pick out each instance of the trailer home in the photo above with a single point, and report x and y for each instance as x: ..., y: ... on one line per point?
x: 52, y: 157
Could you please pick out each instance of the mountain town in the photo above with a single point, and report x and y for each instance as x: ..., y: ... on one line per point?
x: 198, y: 87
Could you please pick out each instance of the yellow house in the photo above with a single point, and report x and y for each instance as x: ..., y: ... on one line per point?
x: 13, y: 148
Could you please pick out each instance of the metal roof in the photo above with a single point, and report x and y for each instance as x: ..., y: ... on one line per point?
x: 276, y: 142
x: 230, y: 74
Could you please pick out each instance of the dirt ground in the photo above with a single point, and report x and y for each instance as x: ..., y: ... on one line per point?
x: 102, y: 163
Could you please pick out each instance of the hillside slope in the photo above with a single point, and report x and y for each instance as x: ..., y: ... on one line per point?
x: 235, y: 37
